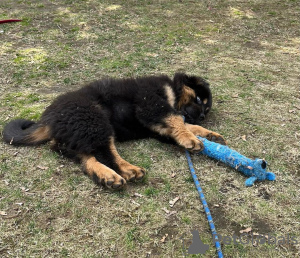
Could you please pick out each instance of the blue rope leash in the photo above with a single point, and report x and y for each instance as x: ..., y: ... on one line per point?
x: 205, y: 206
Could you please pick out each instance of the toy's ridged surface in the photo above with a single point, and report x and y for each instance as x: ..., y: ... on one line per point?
x: 255, y: 169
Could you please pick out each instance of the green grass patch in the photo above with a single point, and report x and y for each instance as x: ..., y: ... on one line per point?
x: 247, y: 50
x: 151, y: 191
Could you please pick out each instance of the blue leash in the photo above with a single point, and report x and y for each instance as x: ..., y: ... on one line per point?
x: 205, y: 206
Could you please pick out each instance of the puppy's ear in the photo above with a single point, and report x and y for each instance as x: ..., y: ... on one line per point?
x: 180, y: 79
x: 202, y: 82
x: 191, y: 81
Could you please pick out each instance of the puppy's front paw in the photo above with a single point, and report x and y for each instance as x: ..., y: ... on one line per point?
x: 215, y: 137
x: 191, y: 143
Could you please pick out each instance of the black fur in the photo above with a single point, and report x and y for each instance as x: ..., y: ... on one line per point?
x: 84, y: 121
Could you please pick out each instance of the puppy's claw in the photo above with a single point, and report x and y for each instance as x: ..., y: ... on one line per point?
x: 215, y: 137
x: 197, y: 146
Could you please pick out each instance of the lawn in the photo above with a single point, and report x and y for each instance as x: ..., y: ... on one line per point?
x: 247, y: 50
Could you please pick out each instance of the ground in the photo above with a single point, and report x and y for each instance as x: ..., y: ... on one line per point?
x: 247, y: 50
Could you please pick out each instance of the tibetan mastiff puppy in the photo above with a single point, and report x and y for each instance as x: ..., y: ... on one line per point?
x: 86, y: 123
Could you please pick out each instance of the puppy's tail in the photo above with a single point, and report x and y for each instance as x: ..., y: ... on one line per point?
x: 25, y: 132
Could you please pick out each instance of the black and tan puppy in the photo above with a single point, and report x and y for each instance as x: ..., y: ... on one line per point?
x: 87, y: 122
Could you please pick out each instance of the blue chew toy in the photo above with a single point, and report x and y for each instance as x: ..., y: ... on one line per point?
x: 254, y: 169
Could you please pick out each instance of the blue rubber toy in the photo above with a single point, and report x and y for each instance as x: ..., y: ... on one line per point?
x: 254, y: 169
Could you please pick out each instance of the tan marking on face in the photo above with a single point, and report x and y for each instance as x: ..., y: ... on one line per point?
x: 205, y: 101
x: 186, y: 96
x: 40, y: 134
x: 170, y: 95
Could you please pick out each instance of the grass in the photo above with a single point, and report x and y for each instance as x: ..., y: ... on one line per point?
x: 249, y: 52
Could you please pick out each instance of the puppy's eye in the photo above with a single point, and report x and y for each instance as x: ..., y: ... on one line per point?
x: 199, y: 101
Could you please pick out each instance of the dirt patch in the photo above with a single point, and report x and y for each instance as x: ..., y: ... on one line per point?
x: 221, y: 221
x: 168, y: 232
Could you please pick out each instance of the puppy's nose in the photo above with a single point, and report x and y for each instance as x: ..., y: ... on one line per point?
x: 202, y: 116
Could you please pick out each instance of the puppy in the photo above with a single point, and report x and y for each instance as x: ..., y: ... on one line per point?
x: 86, y: 123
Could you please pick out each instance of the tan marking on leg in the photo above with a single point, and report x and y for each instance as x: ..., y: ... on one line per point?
x: 170, y: 95
x: 101, y: 173
x: 53, y: 143
x: 128, y: 171
x: 186, y: 96
x: 205, y: 101
x: 40, y: 134
x: 198, y: 130
x: 203, y: 132
x: 173, y: 126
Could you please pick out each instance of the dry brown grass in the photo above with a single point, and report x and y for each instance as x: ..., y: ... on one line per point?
x: 249, y: 52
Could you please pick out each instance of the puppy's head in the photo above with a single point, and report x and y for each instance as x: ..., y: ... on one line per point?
x: 195, y: 99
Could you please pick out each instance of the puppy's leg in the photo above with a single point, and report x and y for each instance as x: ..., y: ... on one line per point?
x: 85, y: 130
x: 159, y: 116
x: 173, y: 126
x: 209, y: 135
x: 101, y: 173
x: 127, y: 171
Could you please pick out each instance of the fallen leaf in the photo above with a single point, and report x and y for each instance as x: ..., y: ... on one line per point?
x: 171, y: 213
x: 298, y: 107
x: 134, y: 202
x: 3, y: 213
x: 250, y: 167
x: 42, y: 168
x: 173, y: 175
x: 164, y: 238
x: 19, y: 203
x: 292, y: 111
x: 12, y: 216
x: 166, y: 210
x: 235, y: 95
x: 247, y: 230
x: 244, y: 138
x: 137, y: 195
x: 172, y: 202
